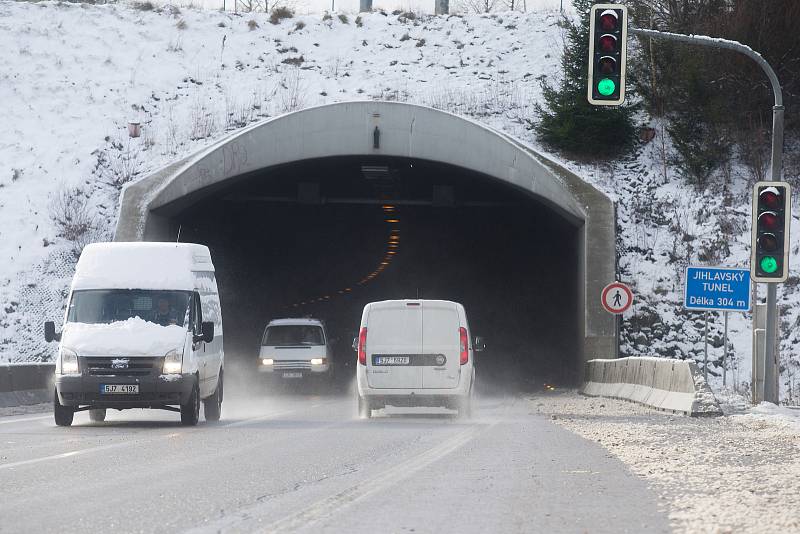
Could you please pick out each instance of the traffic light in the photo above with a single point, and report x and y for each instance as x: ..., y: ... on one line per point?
x: 772, y: 217
x: 608, y: 35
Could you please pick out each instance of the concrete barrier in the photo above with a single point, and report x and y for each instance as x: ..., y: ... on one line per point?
x: 26, y: 383
x: 675, y: 386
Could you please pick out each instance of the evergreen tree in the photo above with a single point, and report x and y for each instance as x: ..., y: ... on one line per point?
x: 567, y: 121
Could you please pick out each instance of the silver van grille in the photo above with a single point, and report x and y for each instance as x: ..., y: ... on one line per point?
x: 291, y: 364
x: 121, y: 366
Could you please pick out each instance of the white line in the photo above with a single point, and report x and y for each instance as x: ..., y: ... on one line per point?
x: 26, y: 419
x: 63, y: 455
x: 80, y: 452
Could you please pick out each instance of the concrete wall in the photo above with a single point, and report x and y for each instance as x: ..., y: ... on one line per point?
x: 404, y: 130
x: 22, y: 384
x: 671, y: 385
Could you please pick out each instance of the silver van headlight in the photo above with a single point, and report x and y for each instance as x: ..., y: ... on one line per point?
x: 69, y: 362
x: 173, y: 362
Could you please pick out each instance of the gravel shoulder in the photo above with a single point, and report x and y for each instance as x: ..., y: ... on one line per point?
x: 738, y: 473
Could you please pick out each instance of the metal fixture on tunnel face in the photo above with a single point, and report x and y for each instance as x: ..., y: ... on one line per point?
x: 464, y: 345
x: 362, y: 346
x: 608, y: 34
x: 771, y: 222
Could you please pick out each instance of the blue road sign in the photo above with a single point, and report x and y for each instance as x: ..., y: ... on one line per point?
x: 717, y: 289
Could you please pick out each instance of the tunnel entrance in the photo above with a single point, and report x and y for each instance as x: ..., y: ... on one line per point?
x: 298, y: 210
x: 322, y: 238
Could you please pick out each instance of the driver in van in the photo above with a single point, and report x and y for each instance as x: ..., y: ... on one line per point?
x: 164, y: 314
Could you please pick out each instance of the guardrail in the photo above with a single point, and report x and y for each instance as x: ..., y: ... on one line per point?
x: 671, y: 385
x: 26, y: 383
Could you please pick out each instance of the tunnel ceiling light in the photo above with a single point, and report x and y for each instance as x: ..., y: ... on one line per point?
x: 392, y: 221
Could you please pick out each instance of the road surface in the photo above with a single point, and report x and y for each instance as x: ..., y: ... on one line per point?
x: 305, y: 463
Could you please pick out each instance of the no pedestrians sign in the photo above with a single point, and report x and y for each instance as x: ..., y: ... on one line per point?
x: 616, y: 298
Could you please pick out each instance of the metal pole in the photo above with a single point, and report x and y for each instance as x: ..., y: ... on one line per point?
x: 771, y: 372
x: 725, y: 354
x: 705, y: 352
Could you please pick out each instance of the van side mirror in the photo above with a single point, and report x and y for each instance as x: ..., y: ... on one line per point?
x: 479, y: 345
x: 50, y: 333
x: 208, y: 332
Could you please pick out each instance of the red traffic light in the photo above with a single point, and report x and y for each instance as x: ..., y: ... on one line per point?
x: 609, y: 21
x: 770, y: 198
x: 608, y: 43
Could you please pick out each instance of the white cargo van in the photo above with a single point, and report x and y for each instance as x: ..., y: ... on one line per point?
x: 415, y: 353
x: 296, y: 349
x: 143, y: 329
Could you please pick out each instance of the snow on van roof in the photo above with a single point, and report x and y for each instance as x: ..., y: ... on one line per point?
x: 290, y: 321
x: 140, y: 265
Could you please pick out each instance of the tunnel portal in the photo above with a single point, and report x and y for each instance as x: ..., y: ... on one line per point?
x: 320, y: 211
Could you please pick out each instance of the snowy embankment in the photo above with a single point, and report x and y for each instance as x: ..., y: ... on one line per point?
x: 76, y: 74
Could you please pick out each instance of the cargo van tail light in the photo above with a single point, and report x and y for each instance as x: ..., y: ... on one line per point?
x: 464, y: 344
x: 362, y: 346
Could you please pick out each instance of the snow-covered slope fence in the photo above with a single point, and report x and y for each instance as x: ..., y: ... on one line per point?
x: 667, y: 384
x: 28, y: 383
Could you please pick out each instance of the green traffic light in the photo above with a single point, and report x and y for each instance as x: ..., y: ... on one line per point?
x: 606, y: 87
x: 769, y: 264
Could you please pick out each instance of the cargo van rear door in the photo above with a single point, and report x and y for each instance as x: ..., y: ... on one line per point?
x: 394, y: 345
x: 440, y: 345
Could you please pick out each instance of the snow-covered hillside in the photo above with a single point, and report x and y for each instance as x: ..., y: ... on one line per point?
x: 74, y: 75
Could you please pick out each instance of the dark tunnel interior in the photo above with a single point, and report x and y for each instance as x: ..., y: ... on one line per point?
x: 322, y: 238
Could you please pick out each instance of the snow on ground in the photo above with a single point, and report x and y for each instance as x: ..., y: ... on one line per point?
x: 720, y: 474
x: 76, y: 74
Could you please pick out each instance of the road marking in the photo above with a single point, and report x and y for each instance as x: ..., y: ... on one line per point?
x: 63, y: 455
x: 80, y: 452
x: 26, y: 419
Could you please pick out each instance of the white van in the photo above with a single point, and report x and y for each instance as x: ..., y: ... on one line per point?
x: 143, y: 329
x: 296, y: 349
x: 415, y: 353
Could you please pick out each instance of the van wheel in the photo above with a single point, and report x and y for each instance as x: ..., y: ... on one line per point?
x: 190, y: 412
x: 464, y: 407
x: 364, y: 408
x: 212, y: 406
x: 62, y: 414
x: 98, y: 415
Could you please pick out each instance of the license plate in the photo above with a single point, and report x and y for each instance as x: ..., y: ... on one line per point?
x: 119, y: 389
x: 292, y: 375
x: 392, y: 360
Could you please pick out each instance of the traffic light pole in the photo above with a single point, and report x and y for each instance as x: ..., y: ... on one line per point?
x: 771, y: 368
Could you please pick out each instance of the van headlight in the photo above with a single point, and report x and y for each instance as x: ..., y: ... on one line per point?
x: 318, y: 361
x: 69, y: 362
x: 267, y: 361
x: 173, y: 362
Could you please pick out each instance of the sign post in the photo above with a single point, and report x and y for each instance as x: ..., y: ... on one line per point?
x: 716, y: 289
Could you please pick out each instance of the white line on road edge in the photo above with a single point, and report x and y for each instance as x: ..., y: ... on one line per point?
x: 63, y: 455
x: 25, y: 419
x: 80, y: 452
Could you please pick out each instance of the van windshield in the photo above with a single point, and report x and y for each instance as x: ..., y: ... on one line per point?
x: 109, y: 305
x: 287, y: 335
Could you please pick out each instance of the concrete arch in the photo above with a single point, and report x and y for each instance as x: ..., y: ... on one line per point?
x: 368, y: 128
